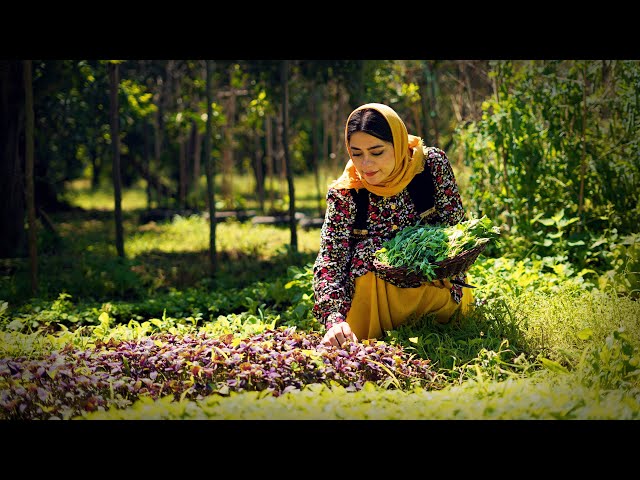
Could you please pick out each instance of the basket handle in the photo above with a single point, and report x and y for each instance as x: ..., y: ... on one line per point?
x: 462, y: 284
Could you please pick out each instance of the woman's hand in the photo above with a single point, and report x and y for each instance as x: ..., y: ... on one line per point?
x: 338, y: 334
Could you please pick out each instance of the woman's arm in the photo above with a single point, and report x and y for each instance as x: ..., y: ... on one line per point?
x: 331, y: 288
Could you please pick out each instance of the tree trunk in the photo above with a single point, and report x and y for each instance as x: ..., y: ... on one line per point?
x: 315, y: 132
x: 96, y: 156
x: 270, y: 170
x: 423, y: 83
x: 359, y: 87
x: 211, y: 200
x: 228, y: 152
x: 417, y: 119
x: 12, y: 208
x: 333, y: 129
x: 197, y: 152
x: 95, y: 168
x: 182, y: 172
x: 259, y: 169
x: 285, y: 144
x: 146, y: 159
x: 325, y: 130
x: 158, y: 139
x: 281, y: 161
x: 29, y: 147
x: 434, y: 105
x: 114, y: 83
x: 340, y: 149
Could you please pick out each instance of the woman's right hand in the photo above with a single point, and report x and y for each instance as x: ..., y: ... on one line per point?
x: 338, y: 334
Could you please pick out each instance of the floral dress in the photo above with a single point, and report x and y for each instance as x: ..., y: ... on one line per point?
x: 343, y: 257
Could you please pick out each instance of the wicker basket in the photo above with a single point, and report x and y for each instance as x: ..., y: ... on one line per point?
x: 446, y: 268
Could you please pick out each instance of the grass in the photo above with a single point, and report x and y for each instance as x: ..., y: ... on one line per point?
x: 538, y: 345
x: 243, y: 187
x: 159, y: 255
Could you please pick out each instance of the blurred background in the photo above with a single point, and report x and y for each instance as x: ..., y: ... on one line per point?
x: 105, y: 157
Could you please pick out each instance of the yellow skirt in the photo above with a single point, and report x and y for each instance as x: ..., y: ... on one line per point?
x: 378, y: 306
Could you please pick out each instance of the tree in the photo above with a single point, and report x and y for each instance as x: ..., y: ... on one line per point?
x: 114, y: 82
x: 11, y: 170
x: 29, y: 187
x: 213, y: 264
x: 285, y: 143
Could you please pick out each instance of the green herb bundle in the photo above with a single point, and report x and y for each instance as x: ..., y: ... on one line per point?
x: 418, y: 247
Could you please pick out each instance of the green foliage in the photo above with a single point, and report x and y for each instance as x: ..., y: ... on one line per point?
x: 553, y: 156
x: 496, y: 277
x: 623, y: 255
x: 538, y: 338
x: 138, y: 98
x: 419, y: 247
x: 616, y: 365
x: 554, y: 330
x: 160, y: 257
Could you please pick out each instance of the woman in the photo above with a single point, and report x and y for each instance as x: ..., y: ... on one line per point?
x: 350, y: 299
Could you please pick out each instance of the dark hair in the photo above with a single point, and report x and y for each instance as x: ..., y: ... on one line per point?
x: 370, y: 121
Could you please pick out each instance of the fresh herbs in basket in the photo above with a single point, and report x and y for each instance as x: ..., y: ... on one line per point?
x: 434, y: 252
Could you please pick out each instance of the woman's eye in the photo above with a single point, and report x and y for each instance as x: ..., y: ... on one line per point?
x: 375, y: 154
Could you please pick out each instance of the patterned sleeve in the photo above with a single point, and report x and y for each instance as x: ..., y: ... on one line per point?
x: 448, y: 203
x: 331, y: 279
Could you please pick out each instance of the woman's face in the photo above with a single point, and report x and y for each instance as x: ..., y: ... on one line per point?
x: 373, y: 158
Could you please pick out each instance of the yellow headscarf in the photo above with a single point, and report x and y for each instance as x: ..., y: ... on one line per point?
x: 408, y: 152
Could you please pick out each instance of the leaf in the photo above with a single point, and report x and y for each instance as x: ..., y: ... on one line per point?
x: 558, y: 216
x: 552, y: 366
x: 564, y: 223
x: 15, y: 325
x: 585, y: 334
x: 223, y: 390
x: 546, y: 221
x: 597, y: 243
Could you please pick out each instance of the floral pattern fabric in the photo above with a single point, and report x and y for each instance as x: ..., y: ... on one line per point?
x: 343, y: 257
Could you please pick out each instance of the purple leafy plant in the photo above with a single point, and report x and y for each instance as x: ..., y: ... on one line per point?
x: 114, y: 374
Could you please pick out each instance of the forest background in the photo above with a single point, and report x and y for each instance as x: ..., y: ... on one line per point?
x: 101, y: 158
x: 547, y: 148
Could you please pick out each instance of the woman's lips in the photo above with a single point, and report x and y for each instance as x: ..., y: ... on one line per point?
x: 370, y: 174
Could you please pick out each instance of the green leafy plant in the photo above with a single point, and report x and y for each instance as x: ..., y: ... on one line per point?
x: 419, y: 246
